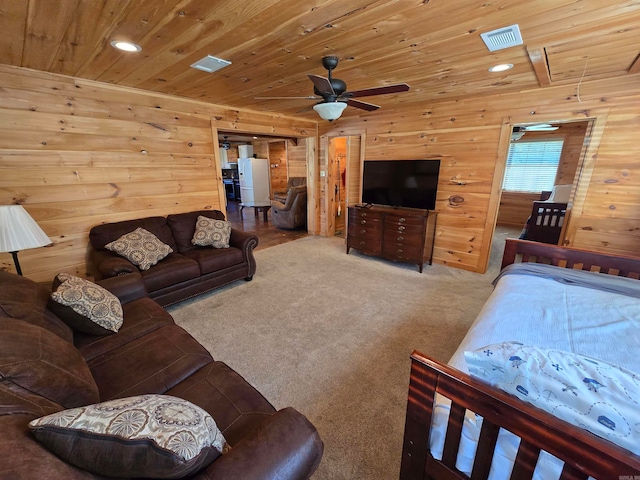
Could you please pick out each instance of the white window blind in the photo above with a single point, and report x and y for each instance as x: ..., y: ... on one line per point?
x: 532, y: 165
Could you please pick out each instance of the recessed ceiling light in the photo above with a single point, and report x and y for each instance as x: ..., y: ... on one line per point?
x: 501, y: 68
x: 126, y: 46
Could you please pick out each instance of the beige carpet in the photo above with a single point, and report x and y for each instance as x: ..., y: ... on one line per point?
x: 330, y: 334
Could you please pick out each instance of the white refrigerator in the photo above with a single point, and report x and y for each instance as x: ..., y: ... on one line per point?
x: 254, y: 180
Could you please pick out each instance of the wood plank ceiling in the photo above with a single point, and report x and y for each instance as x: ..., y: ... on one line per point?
x: 433, y: 45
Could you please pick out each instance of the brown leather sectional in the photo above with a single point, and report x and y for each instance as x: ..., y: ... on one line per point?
x: 149, y: 354
x: 188, y: 271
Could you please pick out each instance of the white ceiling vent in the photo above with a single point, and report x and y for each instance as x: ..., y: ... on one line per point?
x: 502, y: 38
x: 210, y: 64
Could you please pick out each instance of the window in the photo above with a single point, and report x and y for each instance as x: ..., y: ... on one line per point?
x: 532, y: 165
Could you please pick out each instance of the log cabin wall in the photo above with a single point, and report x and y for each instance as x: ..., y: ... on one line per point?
x: 278, y: 164
x: 515, y: 207
x: 471, y: 138
x: 296, y: 159
x: 77, y: 153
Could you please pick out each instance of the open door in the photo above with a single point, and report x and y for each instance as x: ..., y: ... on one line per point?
x: 344, y: 166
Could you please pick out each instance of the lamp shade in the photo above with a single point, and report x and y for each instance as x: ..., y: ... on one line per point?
x: 330, y: 110
x: 18, y: 231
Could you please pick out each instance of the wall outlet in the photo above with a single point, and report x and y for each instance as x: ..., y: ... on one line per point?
x: 323, y: 173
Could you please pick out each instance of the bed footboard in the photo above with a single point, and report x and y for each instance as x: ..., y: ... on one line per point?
x: 583, y: 454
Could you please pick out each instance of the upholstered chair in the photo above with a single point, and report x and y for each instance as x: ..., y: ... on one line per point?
x: 293, y: 212
x: 281, y: 196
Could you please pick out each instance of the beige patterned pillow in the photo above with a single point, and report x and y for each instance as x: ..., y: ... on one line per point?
x: 140, y: 247
x: 154, y: 436
x: 212, y: 232
x: 85, y: 306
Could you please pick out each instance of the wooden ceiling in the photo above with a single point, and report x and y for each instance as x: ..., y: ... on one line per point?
x: 433, y: 45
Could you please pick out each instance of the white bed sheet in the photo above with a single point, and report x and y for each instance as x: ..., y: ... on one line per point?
x: 576, y: 319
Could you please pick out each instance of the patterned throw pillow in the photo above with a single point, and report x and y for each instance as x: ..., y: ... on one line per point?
x: 209, y: 231
x: 592, y: 394
x: 85, y: 306
x: 151, y: 436
x: 140, y: 247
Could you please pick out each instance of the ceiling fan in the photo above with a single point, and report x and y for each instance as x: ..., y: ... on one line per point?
x: 518, y: 132
x: 334, y: 95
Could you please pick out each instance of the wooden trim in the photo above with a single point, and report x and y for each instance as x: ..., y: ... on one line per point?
x: 222, y: 193
x: 538, y: 57
x: 313, y: 213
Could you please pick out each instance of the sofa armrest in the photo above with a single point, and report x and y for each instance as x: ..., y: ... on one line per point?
x: 110, y: 264
x: 126, y: 287
x: 245, y: 242
x: 285, y: 446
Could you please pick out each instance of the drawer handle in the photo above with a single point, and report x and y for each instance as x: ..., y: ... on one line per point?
x: 363, y: 214
x: 363, y: 231
x: 363, y: 242
x: 401, y: 228
x: 400, y: 250
x: 400, y: 239
x: 363, y: 222
x: 402, y: 219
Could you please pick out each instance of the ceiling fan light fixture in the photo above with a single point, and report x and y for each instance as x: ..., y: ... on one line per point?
x: 330, y: 110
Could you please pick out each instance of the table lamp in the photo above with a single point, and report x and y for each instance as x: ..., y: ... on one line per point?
x: 18, y: 231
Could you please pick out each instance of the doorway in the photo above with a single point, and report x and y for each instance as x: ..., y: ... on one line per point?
x: 569, y: 140
x: 344, y: 166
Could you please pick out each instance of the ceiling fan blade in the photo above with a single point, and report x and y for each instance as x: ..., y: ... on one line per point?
x: 308, y: 97
x: 397, y: 88
x: 322, y: 84
x: 305, y: 109
x: 369, y: 107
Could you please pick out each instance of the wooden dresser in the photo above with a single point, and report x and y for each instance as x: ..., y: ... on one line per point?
x: 397, y: 234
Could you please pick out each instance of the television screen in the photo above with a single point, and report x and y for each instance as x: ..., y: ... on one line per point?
x: 401, y: 183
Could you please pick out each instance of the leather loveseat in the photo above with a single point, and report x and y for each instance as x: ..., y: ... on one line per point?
x: 188, y: 271
x: 149, y: 354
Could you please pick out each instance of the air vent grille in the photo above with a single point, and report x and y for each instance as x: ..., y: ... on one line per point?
x: 502, y: 38
x: 210, y: 64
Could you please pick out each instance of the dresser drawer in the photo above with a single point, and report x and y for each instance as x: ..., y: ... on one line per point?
x: 403, y: 238
x: 395, y: 229
x: 393, y: 219
x: 371, y: 246
x: 370, y: 230
x: 358, y: 214
x: 402, y: 253
x: 360, y: 222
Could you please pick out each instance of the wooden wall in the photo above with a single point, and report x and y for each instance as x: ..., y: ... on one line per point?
x: 296, y: 159
x: 78, y: 153
x: 278, y: 163
x: 471, y: 137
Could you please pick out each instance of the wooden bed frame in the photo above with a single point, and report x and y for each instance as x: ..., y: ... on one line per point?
x: 545, y: 223
x: 583, y: 454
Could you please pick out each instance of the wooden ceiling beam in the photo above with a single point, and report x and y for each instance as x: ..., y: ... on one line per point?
x: 538, y: 57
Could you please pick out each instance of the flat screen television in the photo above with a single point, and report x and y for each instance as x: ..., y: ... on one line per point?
x: 401, y: 183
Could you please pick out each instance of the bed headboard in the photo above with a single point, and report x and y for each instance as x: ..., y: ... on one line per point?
x: 525, y: 251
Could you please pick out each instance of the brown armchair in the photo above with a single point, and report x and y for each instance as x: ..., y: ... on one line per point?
x: 293, y: 212
x: 281, y: 196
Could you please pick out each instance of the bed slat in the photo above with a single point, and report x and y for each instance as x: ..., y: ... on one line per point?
x: 484, y: 453
x: 454, y: 432
x: 526, y: 460
x: 570, y: 473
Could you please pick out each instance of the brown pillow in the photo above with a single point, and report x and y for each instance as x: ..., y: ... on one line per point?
x: 140, y: 247
x: 45, y: 364
x: 85, y: 306
x: 211, y: 232
x: 151, y: 436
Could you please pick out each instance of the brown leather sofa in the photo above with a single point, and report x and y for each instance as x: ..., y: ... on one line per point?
x: 149, y: 354
x: 190, y: 270
x: 292, y: 213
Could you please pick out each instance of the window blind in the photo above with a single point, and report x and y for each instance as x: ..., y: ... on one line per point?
x: 532, y: 165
